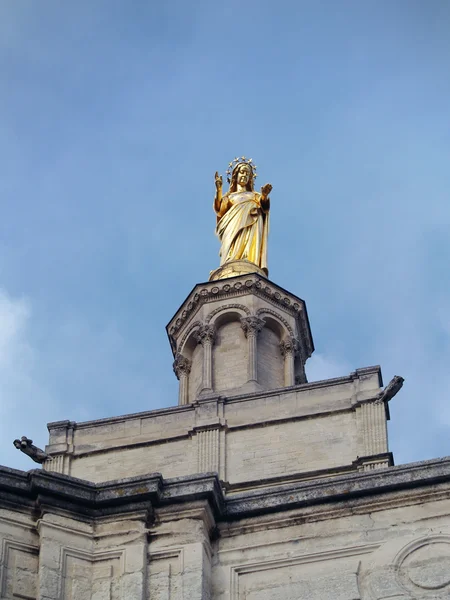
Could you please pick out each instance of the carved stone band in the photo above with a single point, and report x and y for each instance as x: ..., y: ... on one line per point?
x: 290, y: 346
x: 181, y: 365
x: 205, y: 334
x: 252, y: 325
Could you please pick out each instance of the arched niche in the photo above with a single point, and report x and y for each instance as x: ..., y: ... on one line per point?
x: 230, y: 350
x: 270, y: 362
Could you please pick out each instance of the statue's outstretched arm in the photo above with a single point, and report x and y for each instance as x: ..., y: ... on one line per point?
x: 265, y: 200
x: 219, y: 201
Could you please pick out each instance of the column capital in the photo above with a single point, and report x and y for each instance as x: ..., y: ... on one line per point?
x: 205, y: 334
x: 181, y: 365
x: 252, y: 325
x: 290, y: 346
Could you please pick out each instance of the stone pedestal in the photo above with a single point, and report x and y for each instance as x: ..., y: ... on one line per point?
x: 239, y: 335
x: 235, y: 268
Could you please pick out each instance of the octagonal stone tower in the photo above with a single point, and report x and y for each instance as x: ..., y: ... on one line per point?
x: 239, y: 335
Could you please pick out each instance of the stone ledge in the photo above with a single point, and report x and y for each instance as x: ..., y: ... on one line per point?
x: 54, y: 490
x: 37, y: 489
x: 383, y: 481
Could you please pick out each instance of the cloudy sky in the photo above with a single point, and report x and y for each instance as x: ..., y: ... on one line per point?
x: 114, y: 116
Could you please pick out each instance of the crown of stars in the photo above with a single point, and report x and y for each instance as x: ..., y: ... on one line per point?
x: 239, y: 161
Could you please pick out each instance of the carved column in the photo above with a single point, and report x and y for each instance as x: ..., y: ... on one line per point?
x: 206, y: 335
x: 289, y: 349
x: 182, y: 368
x: 252, y: 326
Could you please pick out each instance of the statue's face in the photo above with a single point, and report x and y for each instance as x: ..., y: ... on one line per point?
x: 244, y: 175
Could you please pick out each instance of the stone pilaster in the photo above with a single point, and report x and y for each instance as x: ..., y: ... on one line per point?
x: 210, y: 436
x: 252, y: 326
x: 205, y: 336
x: 289, y: 349
x: 182, y: 368
x: 61, y: 449
x: 180, y: 553
x: 372, y: 425
x: 208, y: 450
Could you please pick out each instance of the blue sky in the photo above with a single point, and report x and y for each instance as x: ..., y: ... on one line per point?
x: 114, y: 116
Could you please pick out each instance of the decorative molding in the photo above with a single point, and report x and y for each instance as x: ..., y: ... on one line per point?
x: 165, y: 574
x: 79, y: 497
x: 232, y: 288
x: 236, y: 572
x: 194, y: 325
x: 278, y: 317
x: 83, y: 569
x: 373, y: 463
x: 417, y: 569
x: 413, y: 572
x: 19, y: 568
x: 225, y: 308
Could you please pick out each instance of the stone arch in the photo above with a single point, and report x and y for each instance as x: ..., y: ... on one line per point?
x: 188, y: 341
x: 276, y: 322
x: 239, y: 309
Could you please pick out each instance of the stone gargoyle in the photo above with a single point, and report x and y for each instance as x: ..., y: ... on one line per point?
x: 26, y: 446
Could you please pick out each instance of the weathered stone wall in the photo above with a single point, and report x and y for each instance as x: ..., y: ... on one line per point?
x: 177, y: 458
x: 285, y: 449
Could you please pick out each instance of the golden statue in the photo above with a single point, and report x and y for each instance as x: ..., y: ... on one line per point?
x: 242, y: 215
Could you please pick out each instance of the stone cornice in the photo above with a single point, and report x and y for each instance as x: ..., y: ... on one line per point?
x: 335, y: 489
x: 39, y: 491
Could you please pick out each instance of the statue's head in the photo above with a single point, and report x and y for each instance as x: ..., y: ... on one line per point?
x: 242, y: 175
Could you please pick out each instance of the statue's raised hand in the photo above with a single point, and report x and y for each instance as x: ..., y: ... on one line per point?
x: 265, y: 190
x: 218, y: 181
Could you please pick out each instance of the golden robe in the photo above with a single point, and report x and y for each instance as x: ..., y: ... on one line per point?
x: 243, y: 229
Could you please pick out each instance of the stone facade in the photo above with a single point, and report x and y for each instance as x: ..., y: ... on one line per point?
x: 257, y: 486
x: 371, y: 536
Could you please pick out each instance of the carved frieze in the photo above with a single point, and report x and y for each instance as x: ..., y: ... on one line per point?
x: 254, y: 284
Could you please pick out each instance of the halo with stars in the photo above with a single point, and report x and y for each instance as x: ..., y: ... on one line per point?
x: 237, y: 161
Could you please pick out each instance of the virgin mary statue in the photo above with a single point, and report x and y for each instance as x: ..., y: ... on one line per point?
x: 242, y: 216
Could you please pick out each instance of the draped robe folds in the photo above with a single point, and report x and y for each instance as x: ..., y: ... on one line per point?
x: 243, y: 229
